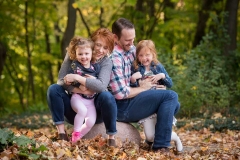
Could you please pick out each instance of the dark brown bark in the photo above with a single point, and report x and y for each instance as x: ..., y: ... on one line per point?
x: 232, y: 10
x: 167, y: 17
x: 18, y: 83
x: 139, y: 5
x: 29, y: 55
x: 115, y: 16
x: 203, y: 16
x: 70, y: 29
x: 154, y: 18
x: 139, y: 16
x: 3, y: 55
x: 57, y: 38
x: 84, y: 22
x: 231, y: 23
x: 101, y: 15
x: 48, y: 50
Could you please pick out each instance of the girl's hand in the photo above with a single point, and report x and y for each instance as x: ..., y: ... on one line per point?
x: 157, y: 77
x: 135, y: 76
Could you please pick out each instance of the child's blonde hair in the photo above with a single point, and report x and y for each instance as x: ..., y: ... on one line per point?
x: 145, y: 44
x: 78, y: 42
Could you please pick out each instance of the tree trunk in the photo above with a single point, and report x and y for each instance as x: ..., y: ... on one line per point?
x: 3, y: 54
x: 84, y: 22
x: 29, y: 55
x: 139, y: 16
x: 48, y: 50
x: 57, y: 38
x: 70, y: 29
x: 231, y: 25
x: 232, y: 9
x: 18, y: 83
x: 154, y: 18
x: 101, y: 15
x: 168, y: 34
x: 203, y: 16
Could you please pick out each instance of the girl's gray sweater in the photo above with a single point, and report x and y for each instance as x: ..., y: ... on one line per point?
x: 96, y: 85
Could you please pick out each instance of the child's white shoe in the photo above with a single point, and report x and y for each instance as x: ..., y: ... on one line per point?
x: 177, y: 141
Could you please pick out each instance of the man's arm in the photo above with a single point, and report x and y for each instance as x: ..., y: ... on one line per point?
x: 144, y: 85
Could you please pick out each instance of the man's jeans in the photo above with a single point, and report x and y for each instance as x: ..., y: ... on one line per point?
x: 163, y: 102
x: 59, y: 105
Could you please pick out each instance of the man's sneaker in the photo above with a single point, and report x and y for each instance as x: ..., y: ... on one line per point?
x: 76, y: 136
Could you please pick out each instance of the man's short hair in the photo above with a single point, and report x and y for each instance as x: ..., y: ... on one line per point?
x: 120, y: 24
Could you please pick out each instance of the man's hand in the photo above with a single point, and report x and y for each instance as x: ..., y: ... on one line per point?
x: 161, y: 87
x: 146, y: 84
x: 135, y: 76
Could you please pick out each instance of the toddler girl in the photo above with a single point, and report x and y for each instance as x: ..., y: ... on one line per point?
x: 80, y: 51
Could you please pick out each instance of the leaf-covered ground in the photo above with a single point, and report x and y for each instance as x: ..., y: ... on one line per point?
x: 198, y: 144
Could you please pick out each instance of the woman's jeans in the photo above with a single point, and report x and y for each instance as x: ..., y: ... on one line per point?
x: 163, y: 102
x: 60, y: 107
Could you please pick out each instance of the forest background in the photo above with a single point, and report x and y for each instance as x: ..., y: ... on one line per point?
x: 197, y: 42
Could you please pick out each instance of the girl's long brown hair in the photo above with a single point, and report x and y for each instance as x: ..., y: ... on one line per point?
x: 145, y: 44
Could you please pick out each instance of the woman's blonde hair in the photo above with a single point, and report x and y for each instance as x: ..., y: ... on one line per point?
x: 78, y: 42
x: 145, y: 44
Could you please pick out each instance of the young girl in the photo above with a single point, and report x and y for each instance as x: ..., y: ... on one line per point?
x: 80, y: 51
x: 146, y: 65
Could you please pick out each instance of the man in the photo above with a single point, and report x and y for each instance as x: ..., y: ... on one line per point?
x: 137, y: 103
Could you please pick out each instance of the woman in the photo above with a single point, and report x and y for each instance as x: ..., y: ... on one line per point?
x: 59, y: 100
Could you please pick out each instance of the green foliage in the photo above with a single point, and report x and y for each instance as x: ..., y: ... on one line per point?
x: 7, y: 138
x: 204, y: 83
x: 218, y: 124
x: 27, y: 147
x: 28, y: 120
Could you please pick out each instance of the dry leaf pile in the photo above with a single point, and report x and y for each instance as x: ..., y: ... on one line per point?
x: 202, y: 144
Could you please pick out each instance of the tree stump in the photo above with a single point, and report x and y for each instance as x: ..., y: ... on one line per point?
x: 125, y: 131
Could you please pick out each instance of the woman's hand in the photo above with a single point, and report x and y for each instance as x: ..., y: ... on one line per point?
x: 69, y: 78
x: 89, y: 76
x: 83, y: 88
x: 89, y: 92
